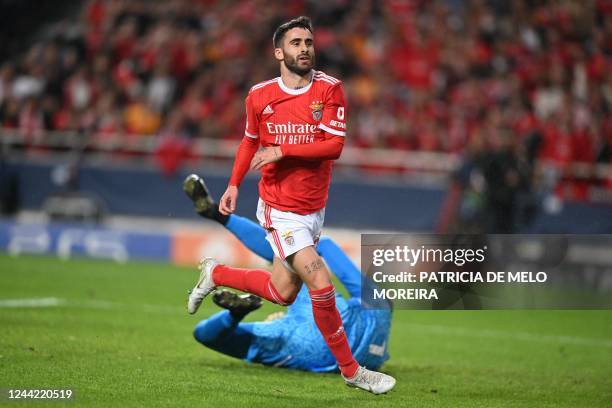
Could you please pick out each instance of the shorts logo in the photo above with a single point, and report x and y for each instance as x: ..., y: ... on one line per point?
x: 317, y: 110
x: 288, y: 236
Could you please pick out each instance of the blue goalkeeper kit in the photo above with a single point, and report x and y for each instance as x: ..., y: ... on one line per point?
x: 293, y: 340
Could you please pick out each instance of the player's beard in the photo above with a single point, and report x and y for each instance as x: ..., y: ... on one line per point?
x: 292, y: 64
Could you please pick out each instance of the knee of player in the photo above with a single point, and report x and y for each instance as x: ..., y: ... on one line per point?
x: 289, y: 300
x: 286, y: 299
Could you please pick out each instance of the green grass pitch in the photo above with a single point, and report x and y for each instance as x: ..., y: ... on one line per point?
x: 119, y: 335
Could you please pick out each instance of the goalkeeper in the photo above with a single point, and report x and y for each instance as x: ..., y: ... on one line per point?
x: 293, y: 340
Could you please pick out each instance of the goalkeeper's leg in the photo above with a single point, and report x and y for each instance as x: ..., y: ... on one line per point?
x: 247, y: 231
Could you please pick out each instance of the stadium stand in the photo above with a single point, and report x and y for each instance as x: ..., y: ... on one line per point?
x: 427, y: 81
x: 455, y: 71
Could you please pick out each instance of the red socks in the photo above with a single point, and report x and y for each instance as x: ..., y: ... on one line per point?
x: 255, y: 281
x: 329, y: 322
x: 326, y: 316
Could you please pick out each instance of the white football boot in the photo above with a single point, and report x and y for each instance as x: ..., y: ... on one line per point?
x: 204, y: 286
x: 373, y: 381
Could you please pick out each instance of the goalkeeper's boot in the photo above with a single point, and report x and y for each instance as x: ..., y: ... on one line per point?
x: 203, y: 287
x: 196, y: 190
x: 238, y: 305
x: 373, y: 381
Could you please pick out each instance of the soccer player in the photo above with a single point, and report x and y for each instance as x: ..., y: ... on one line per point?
x: 299, y: 118
x: 291, y: 341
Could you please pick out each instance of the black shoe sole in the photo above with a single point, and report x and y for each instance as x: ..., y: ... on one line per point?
x: 195, y: 188
x: 235, y: 303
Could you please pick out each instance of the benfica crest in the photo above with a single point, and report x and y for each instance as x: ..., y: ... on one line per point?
x: 288, y: 236
x: 317, y: 110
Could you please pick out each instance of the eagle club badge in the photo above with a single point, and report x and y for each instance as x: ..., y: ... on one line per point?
x: 317, y: 110
x: 288, y: 236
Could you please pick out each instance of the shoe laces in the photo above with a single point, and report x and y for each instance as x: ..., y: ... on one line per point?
x: 369, y: 377
x: 206, y: 263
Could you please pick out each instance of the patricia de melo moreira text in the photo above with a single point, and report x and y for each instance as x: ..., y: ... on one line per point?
x: 458, y: 257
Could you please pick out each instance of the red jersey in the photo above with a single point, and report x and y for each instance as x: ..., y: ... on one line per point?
x: 309, y: 125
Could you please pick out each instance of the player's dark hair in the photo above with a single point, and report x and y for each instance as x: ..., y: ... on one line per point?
x: 301, y: 21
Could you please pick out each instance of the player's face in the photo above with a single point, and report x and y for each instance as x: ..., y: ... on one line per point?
x: 297, y: 51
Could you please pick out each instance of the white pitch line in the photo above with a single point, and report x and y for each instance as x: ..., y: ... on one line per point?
x: 86, y: 304
x: 94, y: 304
x: 39, y: 302
x: 524, y: 336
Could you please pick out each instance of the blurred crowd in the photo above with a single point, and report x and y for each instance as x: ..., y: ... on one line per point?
x: 445, y: 75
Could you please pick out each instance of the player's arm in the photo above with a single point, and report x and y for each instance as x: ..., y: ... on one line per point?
x: 247, y: 149
x: 333, y: 123
x: 329, y: 149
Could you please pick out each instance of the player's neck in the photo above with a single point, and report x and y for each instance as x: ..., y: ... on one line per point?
x: 294, y: 81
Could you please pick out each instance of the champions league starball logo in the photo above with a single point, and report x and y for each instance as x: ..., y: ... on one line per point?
x: 317, y: 110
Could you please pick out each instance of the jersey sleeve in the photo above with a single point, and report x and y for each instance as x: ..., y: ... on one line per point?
x: 334, y: 112
x: 252, y: 121
x: 247, y: 149
x: 248, y: 146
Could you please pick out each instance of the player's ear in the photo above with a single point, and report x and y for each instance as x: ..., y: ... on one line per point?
x: 278, y: 54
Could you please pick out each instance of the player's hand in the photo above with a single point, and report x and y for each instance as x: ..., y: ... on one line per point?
x: 227, y: 205
x: 265, y: 156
